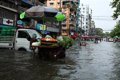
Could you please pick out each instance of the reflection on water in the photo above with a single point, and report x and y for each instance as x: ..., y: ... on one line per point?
x: 92, y: 62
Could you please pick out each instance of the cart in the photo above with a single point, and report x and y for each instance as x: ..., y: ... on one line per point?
x: 50, y: 49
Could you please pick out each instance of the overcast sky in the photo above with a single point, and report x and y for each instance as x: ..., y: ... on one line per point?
x: 102, y: 13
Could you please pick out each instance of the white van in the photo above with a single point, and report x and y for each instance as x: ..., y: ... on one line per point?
x: 22, y: 39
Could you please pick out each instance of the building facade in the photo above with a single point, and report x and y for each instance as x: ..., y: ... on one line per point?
x: 69, y: 8
x: 10, y: 9
x: 92, y: 30
x: 9, y: 12
x: 85, y: 18
x: 54, y: 3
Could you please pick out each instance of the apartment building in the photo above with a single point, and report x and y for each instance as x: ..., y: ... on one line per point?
x: 69, y: 8
x: 92, y: 29
x: 85, y: 18
x: 54, y: 3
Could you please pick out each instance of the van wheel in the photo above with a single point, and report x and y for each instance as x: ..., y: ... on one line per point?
x: 21, y: 49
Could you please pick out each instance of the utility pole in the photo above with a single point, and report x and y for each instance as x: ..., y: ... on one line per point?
x: 60, y: 23
x: 68, y: 19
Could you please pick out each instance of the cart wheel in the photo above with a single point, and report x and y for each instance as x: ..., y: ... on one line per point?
x: 62, y: 53
x: 52, y: 54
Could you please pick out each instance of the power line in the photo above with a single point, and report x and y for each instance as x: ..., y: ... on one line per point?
x: 107, y: 30
x: 107, y: 19
x: 102, y: 16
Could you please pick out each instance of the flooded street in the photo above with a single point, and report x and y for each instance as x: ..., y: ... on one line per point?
x: 92, y: 62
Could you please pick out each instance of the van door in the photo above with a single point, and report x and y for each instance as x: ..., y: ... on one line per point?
x: 22, y: 40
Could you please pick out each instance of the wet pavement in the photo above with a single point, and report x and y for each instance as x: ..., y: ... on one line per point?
x: 92, y: 62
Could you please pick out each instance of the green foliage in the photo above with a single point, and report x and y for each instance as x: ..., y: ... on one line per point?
x: 116, y: 5
x: 106, y: 34
x: 99, y: 32
x: 66, y: 42
x: 115, y: 31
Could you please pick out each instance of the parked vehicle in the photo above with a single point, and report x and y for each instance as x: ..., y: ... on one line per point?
x: 23, y: 37
x: 18, y: 39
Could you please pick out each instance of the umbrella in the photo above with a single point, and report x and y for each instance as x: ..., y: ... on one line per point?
x: 22, y: 15
x: 60, y: 17
x: 41, y: 11
x: 116, y: 37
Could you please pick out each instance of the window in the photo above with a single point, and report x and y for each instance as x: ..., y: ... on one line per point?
x: 51, y: 3
x: 22, y: 34
x: 58, y: 3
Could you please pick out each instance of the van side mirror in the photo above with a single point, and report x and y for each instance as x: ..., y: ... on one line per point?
x: 28, y: 38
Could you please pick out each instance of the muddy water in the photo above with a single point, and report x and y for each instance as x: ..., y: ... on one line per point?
x: 92, y: 62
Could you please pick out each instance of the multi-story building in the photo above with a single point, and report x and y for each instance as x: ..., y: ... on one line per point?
x: 54, y: 3
x: 69, y: 8
x: 85, y: 18
x: 92, y: 29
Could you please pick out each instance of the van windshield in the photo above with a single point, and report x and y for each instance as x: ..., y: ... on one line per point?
x: 31, y: 32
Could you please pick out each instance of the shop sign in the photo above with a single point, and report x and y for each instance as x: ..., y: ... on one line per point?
x: 8, y: 22
x: 41, y: 27
x: 19, y: 22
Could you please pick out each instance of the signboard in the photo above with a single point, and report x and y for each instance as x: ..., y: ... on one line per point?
x: 19, y: 22
x: 41, y: 27
x: 8, y: 22
x: 51, y: 29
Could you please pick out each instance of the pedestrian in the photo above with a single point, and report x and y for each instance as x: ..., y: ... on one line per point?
x: 33, y: 39
x: 96, y: 40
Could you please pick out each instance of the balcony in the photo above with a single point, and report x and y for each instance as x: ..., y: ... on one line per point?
x: 43, y: 1
x: 64, y: 28
x: 64, y: 23
x: 64, y: 34
x: 69, y: 3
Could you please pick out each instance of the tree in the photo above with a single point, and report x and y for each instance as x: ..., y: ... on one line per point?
x: 106, y: 34
x: 116, y: 5
x: 115, y: 31
x: 99, y: 32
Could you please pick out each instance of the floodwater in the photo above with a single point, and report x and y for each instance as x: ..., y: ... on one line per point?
x: 92, y: 62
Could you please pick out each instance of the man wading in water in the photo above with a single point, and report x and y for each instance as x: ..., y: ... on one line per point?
x: 33, y: 39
